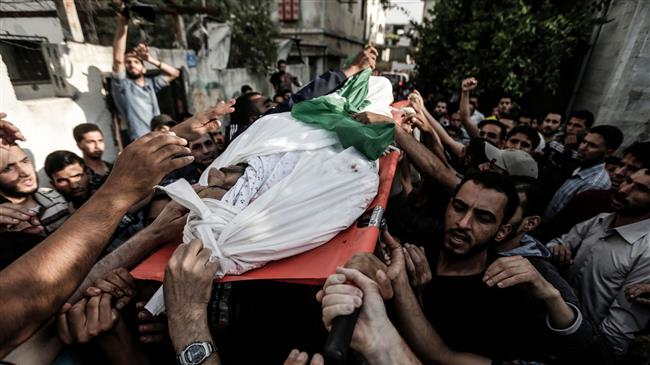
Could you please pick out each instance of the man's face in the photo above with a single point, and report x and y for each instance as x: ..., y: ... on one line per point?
x: 592, y: 149
x: 551, y: 124
x: 455, y: 120
x: 17, y: 174
x: 633, y: 196
x: 492, y: 133
x: 504, y: 106
x: 71, y: 182
x: 204, y: 150
x: 525, y: 121
x: 133, y: 66
x: 282, y: 67
x: 629, y: 165
x: 220, y: 140
x: 520, y: 141
x: 576, y: 127
x: 473, y: 220
x: 92, y: 145
x: 441, y: 108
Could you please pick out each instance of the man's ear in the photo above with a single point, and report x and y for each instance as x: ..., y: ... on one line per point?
x: 531, y: 222
x: 503, y: 232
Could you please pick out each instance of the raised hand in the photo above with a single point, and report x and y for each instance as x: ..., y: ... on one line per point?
x: 14, y: 218
x: 367, y: 58
x: 204, y: 122
x: 145, y: 162
x: 142, y: 51
x: 9, y: 133
x: 469, y: 84
x: 417, y: 267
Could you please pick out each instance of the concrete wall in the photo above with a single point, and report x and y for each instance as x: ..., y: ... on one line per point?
x: 616, y: 87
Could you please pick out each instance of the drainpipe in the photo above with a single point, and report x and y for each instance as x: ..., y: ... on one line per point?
x: 595, y: 33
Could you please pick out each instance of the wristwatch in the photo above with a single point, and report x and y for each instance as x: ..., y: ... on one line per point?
x: 195, y: 353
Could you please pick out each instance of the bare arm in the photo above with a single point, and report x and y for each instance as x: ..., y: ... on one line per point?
x: 426, y: 162
x: 119, y: 43
x: 457, y: 148
x: 467, y: 86
x: 411, y: 321
x: 36, y: 285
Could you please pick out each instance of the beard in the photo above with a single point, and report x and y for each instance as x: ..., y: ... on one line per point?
x: 625, y: 208
x: 11, y: 190
x: 134, y: 75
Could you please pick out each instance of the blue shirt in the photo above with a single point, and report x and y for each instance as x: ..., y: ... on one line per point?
x: 595, y: 177
x: 137, y: 104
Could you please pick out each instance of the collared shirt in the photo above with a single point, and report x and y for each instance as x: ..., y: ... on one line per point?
x: 594, y: 177
x: 606, y: 261
x: 137, y: 104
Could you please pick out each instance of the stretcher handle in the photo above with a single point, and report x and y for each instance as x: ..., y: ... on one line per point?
x: 338, y: 341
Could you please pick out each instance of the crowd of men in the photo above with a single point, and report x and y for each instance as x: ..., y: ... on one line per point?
x: 509, y: 239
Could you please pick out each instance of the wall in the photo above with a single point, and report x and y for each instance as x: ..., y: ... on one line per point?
x: 616, y: 87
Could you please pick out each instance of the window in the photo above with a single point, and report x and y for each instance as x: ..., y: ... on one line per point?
x: 289, y: 10
x: 24, y: 59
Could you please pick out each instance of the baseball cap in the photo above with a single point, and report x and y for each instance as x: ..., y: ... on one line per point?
x: 515, y: 162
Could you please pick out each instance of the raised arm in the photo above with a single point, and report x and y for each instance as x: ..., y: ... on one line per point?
x: 455, y: 147
x: 170, y: 73
x: 36, y: 285
x: 465, y: 88
x: 119, y: 42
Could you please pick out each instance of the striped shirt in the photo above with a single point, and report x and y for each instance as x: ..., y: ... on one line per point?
x: 594, y: 177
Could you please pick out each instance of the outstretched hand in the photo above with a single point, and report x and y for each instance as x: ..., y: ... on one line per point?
x: 363, y: 60
x: 204, y: 122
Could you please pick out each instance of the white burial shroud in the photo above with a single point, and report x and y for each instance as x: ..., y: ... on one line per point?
x: 301, y: 188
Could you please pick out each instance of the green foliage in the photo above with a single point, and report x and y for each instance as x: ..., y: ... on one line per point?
x: 509, y: 45
x: 252, y: 43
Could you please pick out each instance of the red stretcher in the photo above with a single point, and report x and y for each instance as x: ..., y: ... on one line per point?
x: 311, y: 267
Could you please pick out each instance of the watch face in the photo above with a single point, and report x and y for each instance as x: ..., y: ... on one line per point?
x: 195, y: 353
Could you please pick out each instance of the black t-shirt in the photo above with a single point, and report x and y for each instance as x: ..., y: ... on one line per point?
x: 500, y: 324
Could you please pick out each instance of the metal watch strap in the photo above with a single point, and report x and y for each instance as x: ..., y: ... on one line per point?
x: 211, y: 348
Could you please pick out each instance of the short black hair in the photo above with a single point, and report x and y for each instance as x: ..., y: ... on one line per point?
x: 498, y: 182
x: 640, y: 150
x: 244, y: 108
x: 59, y: 160
x: 441, y: 100
x: 80, y: 130
x: 245, y: 88
x: 613, y: 136
x: 528, y: 131
x: 585, y: 115
x: 485, y: 122
x: 280, y: 62
x: 535, y: 203
x: 613, y: 160
x: 161, y: 120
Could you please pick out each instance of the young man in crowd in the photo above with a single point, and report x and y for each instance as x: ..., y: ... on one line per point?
x: 608, y: 253
x: 589, y: 203
x: 561, y: 153
x: 133, y: 93
x: 504, y: 105
x: 282, y: 80
x: 522, y: 138
x: 492, y: 131
x: 27, y: 213
x: 68, y: 175
x: 518, y: 308
x: 550, y: 126
x: 600, y: 142
x: 90, y: 140
x: 508, y: 120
